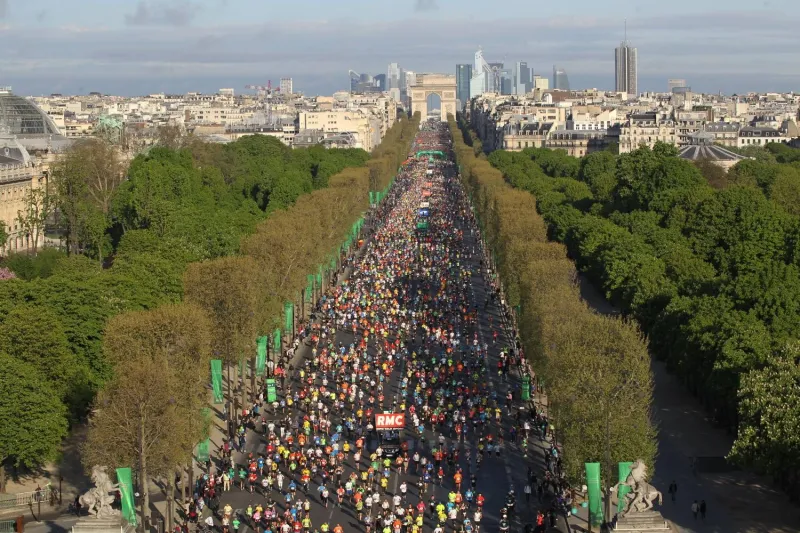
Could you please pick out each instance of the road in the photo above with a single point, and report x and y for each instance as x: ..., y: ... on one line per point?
x: 497, y: 474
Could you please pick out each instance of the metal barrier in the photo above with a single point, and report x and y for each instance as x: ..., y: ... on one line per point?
x: 8, y: 526
x: 25, y: 499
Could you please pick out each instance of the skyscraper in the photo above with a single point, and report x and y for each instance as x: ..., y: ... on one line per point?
x: 625, y: 62
x: 522, y: 78
x: 506, y: 81
x: 286, y: 86
x: 393, y: 77
x: 560, y: 79
x: 481, y: 73
x: 675, y: 83
x: 355, y: 77
x: 463, y: 77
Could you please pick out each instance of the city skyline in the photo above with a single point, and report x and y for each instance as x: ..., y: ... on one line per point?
x: 138, y: 47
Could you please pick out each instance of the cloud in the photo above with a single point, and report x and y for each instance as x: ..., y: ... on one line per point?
x: 176, y: 13
x: 3, y: 8
x: 158, y: 56
x: 425, y: 5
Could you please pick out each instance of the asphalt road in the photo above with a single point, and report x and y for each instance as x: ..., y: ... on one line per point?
x: 495, y: 476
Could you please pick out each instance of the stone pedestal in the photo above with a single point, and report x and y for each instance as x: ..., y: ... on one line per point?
x: 90, y: 524
x: 648, y: 521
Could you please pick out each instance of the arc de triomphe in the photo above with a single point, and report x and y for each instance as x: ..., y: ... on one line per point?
x: 442, y: 84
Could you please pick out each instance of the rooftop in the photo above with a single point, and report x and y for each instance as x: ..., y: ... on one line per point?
x: 21, y: 116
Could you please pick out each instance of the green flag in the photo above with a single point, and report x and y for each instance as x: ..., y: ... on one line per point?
x: 288, y: 317
x: 125, y: 481
x: 216, y: 380
x: 261, y: 354
x: 624, y: 470
x: 319, y: 278
x: 595, y: 498
x: 371, y: 198
x: 276, y: 341
x: 202, y: 450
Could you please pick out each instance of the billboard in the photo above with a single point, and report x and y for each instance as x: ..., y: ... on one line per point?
x: 390, y: 420
x: 424, y: 212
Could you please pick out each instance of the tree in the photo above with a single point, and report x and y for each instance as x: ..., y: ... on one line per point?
x: 86, y: 179
x: 227, y: 289
x: 34, y: 335
x: 38, y: 205
x: 3, y: 234
x: 178, y: 335
x: 33, y: 420
x: 138, y: 420
x: 769, y: 415
x: 171, y: 136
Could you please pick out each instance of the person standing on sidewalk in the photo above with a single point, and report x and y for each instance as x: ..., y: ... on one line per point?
x: 673, y: 490
x: 527, y: 491
x: 702, y: 509
x: 695, y: 509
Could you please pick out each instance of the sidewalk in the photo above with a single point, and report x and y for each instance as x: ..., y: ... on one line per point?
x: 738, y: 501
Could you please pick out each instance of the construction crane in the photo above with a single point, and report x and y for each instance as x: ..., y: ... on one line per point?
x: 262, y: 91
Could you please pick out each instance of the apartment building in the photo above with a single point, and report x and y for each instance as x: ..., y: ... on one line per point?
x: 647, y: 129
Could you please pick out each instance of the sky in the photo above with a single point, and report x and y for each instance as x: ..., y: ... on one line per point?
x: 136, y: 47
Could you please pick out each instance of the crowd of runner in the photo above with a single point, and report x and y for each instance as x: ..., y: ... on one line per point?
x: 404, y: 333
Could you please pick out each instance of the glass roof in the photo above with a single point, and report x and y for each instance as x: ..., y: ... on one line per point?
x: 23, y: 117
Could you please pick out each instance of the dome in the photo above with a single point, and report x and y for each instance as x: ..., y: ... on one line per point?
x: 20, y: 116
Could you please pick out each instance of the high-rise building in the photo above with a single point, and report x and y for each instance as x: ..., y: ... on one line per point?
x: 355, y: 77
x: 286, y: 86
x: 408, y: 79
x: 522, y: 78
x: 393, y: 76
x: 560, y: 79
x: 506, y: 81
x: 380, y: 82
x: 543, y: 84
x: 495, y: 78
x: 625, y: 62
x: 675, y: 83
x: 463, y: 77
x: 481, y: 74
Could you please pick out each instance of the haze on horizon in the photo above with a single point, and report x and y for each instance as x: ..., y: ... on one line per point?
x: 131, y: 47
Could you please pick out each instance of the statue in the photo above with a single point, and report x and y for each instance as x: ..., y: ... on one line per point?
x: 99, y: 498
x: 642, y: 494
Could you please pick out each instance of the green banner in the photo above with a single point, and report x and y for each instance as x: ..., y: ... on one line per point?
x: 624, y: 470
x: 203, y: 450
x: 216, y: 380
x: 319, y: 276
x: 261, y: 354
x: 276, y: 342
x: 525, y: 393
x: 288, y: 319
x: 125, y: 480
x: 595, y: 498
x: 371, y: 198
x: 272, y: 393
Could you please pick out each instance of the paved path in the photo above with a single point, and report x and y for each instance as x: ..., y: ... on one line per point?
x: 737, y: 501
